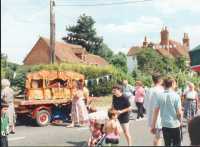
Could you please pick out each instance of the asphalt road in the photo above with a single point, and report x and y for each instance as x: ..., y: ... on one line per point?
x: 27, y: 135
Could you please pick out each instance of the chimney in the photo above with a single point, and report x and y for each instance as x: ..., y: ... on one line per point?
x: 186, y: 40
x: 145, y: 43
x: 164, y: 35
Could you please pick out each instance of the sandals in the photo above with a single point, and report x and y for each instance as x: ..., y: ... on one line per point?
x: 70, y: 126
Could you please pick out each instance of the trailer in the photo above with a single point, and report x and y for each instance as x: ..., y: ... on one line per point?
x: 45, y: 92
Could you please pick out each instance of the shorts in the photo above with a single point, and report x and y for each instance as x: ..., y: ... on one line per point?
x: 158, y: 133
x: 124, y: 126
x: 112, y: 141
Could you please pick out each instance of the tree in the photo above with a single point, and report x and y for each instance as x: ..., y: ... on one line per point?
x: 150, y: 61
x: 120, y: 61
x: 84, y: 34
x: 7, y: 68
x: 105, y: 52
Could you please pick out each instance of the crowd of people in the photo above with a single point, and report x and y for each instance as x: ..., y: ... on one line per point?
x: 163, y: 105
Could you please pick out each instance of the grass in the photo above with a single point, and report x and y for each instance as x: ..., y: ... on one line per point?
x: 105, y: 101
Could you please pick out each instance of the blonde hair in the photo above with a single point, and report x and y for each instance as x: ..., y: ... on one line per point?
x: 139, y: 83
x: 5, y: 83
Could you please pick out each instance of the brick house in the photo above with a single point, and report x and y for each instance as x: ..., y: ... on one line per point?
x: 64, y: 52
x: 166, y: 47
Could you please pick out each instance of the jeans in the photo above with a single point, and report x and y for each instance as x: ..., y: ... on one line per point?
x: 140, y: 112
x: 172, y: 136
x: 4, y: 141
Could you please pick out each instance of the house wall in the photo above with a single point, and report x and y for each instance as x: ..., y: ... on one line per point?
x: 39, y: 54
x: 131, y: 63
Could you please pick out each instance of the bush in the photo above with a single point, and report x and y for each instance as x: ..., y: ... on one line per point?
x: 91, y: 72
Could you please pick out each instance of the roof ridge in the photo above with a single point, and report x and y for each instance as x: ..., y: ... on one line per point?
x: 47, y: 40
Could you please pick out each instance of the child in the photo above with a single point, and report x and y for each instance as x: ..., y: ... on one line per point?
x: 112, y: 128
x: 4, y: 124
x: 96, y: 133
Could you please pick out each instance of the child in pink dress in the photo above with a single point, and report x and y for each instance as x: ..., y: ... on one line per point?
x: 112, y: 128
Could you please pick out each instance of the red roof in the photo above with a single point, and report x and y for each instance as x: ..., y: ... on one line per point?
x: 66, y: 52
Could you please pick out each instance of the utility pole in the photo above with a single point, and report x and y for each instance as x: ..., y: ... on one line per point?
x: 52, y: 32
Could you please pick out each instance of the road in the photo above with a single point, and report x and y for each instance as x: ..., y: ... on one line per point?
x: 62, y: 136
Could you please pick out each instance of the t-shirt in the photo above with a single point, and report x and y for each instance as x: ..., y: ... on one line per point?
x: 191, y: 95
x: 120, y: 103
x: 139, y: 94
x: 169, y: 102
x: 128, y: 90
x: 150, y: 101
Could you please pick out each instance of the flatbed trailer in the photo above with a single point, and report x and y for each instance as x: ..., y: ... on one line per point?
x: 40, y: 110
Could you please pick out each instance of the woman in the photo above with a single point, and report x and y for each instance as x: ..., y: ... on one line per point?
x: 191, y: 102
x: 8, y: 95
x: 139, y: 98
x: 79, y: 112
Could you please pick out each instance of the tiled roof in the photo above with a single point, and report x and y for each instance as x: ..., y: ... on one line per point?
x: 66, y: 52
x: 178, y: 49
x: 175, y: 49
x: 94, y: 59
x: 134, y: 50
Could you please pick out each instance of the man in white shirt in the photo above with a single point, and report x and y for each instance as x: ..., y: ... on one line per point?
x: 149, y: 104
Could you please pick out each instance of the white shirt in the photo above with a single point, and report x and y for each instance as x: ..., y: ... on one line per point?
x: 191, y: 95
x: 149, y: 103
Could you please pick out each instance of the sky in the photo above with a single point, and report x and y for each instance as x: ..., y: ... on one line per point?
x: 121, y: 26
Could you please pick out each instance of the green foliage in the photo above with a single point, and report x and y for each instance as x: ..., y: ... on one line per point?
x: 142, y: 76
x: 7, y: 68
x: 150, y: 61
x: 120, y: 61
x: 90, y: 72
x: 84, y: 29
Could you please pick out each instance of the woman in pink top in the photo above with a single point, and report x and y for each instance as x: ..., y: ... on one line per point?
x: 139, y: 98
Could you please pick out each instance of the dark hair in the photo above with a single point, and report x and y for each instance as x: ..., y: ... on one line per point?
x: 168, y: 82
x: 111, y: 112
x: 118, y: 87
x: 156, y: 78
x: 194, y: 129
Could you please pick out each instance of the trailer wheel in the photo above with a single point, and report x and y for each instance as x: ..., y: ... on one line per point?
x: 43, y: 118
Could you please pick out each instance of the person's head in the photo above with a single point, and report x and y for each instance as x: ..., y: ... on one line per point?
x: 97, y: 125
x: 125, y: 82
x: 157, y: 79
x: 5, y: 83
x: 117, y: 90
x: 77, y: 85
x: 112, y: 114
x: 169, y: 82
x: 191, y: 86
x: 194, y: 130
x: 4, y: 106
x: 138, y: 83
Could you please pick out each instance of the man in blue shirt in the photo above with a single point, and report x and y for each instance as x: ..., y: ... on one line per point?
x: 169, y: 105
x: 128, y: 91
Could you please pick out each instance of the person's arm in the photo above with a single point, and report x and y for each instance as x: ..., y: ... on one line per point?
x: 128, y: 107
x: 154, y: 120
x: 179, y: 111
x: 125, y: 110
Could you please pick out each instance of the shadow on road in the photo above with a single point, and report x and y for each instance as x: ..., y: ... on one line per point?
x: 78, y: 143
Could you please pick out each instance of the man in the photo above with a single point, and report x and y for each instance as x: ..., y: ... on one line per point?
x: 194, y: 129
x: 122, y: 105
x: 128, y: 91
x: 8, y: 95
x: 169, y: 105
x: 150, y: 100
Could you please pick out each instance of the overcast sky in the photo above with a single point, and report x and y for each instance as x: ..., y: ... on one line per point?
x: 121, y: 26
